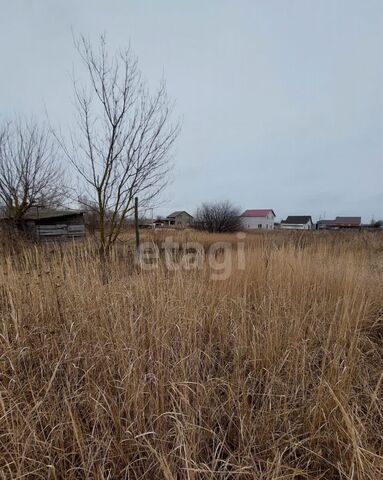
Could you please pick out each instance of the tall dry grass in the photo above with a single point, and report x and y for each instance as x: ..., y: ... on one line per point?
x: 274, y: 373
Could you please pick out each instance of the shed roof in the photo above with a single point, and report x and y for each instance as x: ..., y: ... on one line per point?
x: 39, y: 214
x: 258, y: 213
x: 43, y: 213
x: 325, y: 222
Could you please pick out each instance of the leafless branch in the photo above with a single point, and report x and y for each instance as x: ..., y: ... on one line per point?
x: 30, y: 172
x: 218, y: 217
x: 123, y: 136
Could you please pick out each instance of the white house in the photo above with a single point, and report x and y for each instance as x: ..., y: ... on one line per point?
x: 258, y: 219
x: 299, y: 222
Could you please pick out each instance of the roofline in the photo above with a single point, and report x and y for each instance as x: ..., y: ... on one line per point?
x: 179, y: 213
x: 41, y: 215
x: 251, y: 209
x: 309, y: 218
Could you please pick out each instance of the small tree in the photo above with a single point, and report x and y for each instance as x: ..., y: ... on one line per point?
x: 30, y: 173
x: 218, y: 217
x: 121, y: 147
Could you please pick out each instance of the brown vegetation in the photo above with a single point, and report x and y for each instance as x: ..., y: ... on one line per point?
x: 274, y: 373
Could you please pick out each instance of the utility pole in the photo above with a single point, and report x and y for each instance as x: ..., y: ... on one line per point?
x: 136, y: 223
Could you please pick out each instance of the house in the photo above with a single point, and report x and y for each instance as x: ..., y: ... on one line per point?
x: 324, y: 224
x: 297, y: 222
x: 180, y: 218
x: 52, y: 224
x: 340, y: 223
x: 258, y: 219
x: 145, y: 224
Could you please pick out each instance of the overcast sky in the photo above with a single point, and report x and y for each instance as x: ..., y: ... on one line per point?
x: 281, y: 100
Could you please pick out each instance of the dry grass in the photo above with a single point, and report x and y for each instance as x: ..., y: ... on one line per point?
x: 274, y: 373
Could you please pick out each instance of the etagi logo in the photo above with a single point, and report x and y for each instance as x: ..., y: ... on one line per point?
x: 220, y: 257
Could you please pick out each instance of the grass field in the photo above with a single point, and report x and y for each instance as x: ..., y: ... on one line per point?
x: 275, y: 372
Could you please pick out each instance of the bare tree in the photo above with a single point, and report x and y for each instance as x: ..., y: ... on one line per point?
x: 218, y: 217
x: 124, y: 134
x: 30, y: 173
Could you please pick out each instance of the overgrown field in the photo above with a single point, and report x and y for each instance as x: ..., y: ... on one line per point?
x: 273, y: 372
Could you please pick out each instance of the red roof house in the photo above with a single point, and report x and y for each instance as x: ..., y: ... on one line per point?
x: 258, y: 219
x: 340, y: 223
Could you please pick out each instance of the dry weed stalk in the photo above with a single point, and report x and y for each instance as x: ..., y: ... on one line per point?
x: 274, y: 373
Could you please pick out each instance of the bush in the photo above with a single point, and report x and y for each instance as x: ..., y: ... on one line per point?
x: 218, y: 217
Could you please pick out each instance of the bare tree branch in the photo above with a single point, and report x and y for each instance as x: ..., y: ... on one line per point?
x: 218, y: 217
x: 30, y: 172
x: 123, y: 137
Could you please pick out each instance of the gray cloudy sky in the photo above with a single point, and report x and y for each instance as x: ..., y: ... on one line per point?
x: 281, y: 100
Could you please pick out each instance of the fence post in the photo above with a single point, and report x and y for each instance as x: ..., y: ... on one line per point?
x: 136, y: 223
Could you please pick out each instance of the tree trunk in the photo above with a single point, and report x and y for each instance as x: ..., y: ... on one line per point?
x: 103, y: 254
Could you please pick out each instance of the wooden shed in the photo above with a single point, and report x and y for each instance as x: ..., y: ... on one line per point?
x: 55, y: 224
x: 49, y: 223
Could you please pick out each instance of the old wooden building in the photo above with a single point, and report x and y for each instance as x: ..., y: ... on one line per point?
x: 52, y: 224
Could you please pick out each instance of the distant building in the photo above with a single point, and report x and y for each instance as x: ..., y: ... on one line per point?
x: 145, y: 224
x: 340, y: 223
x: 299, y: 222
x: 49, y: 223
x: 258, y: 219
x: 180, y: 218
x: 324, y: 224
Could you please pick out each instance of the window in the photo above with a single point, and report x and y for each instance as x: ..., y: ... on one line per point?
x: 259, y: 225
